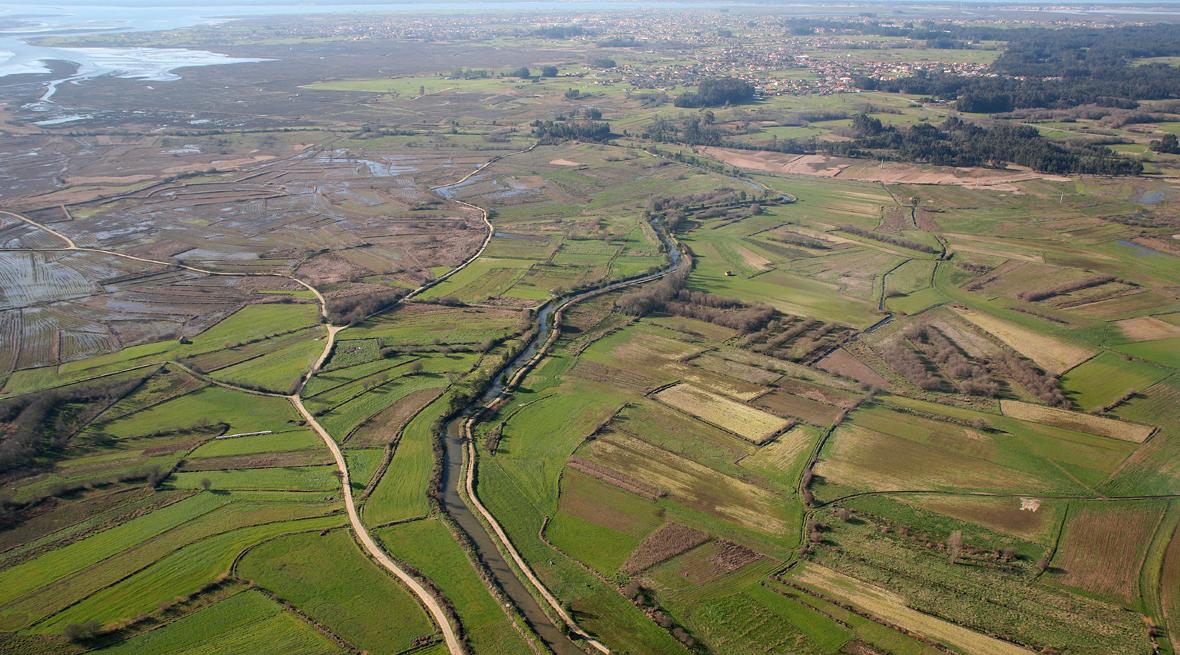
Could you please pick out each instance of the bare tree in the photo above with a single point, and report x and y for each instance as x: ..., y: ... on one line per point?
x: 954, y: 545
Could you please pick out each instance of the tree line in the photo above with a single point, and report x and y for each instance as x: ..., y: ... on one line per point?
x: 955, y: 142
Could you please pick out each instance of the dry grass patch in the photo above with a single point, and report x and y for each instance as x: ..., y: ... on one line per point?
x: 690, y: 482
x: 1147, y: 328
x: 385, y: 426
x: 1049, y: 353
x: 866, y: 459
x: 780, y: 454
x: 748, y: 422
x: 614, y: 478
x: 891, y: 608
x: 1023, y: 517
x: 1088, y: 423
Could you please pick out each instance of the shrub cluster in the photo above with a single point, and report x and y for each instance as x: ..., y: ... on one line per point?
x: 352, y: 309
x: 1067, y: 287
x: 889, y: 238
x: 910, y: 365
x: 972, y: 378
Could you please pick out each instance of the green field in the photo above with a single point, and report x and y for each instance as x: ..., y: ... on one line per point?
x: 902, y: 385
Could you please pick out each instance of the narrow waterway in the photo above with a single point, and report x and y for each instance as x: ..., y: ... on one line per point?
x: 453, y: 478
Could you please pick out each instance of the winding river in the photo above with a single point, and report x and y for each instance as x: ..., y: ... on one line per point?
x: 453, y: 480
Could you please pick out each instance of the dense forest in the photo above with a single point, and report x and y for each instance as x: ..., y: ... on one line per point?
x: 1055, y: 68
x: 960, y: 143
x: 716, y: 92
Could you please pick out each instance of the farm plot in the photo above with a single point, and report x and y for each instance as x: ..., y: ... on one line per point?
x: 248, y: 621
x: 419, y: 323
x: 597, y: 523
x: 912, y: 565
x: 28, y: 576
x: 782, y: 460
x: 670, y: 540
x: 327, y: 577
x: 1147, y: 328
x: 1162, y: 351
x: 807, y: 410
x: 184, y: 571
x: 287, y: 478
x: 277, y: 371
x: 714, y: 590
x: 698, y: 486
x: 208, y: 406
x: 429, y: 547
x: 64, y: 592
x: 401, y: 492
x: 845, y: 364
x: 384, y: 427
x: 1108, y: 378
x: 745, y: 421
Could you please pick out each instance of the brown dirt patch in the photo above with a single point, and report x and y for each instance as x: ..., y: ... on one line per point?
x: 1147, y: 328
x: 1104, y: 548
x: 1008, y: 515
x: 663, y: 544
x: 564, y: 162
x: 1170, y: 587
x: 806, y: 409
x: 841, y: 362
x: 266, y: 460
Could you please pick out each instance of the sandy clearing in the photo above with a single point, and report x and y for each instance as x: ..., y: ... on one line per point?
x: 1147, y: 328
x: 1088, y: 423
x: 564, y: 162
x: 867, y: 171
x: 753, y: 259
x: 892, y: 609
x: 109, y: 179
x: 1049, y: 353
